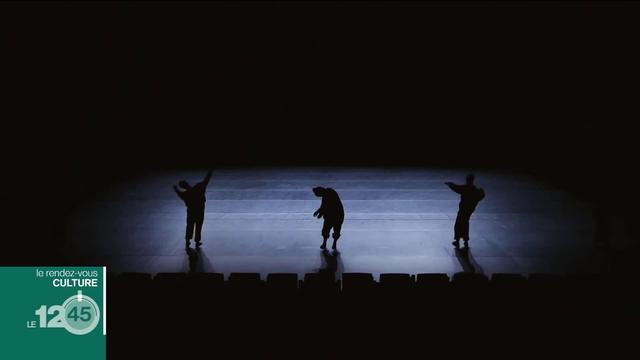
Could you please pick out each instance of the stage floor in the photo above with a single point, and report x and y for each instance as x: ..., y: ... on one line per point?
x: 397, y: 220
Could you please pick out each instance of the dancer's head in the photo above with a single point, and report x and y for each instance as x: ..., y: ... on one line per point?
x: 470, y: 179
x: 184, y: 184
x: 318, y: 191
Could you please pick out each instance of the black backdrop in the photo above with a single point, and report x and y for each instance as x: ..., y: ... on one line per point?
x: 96, y: 92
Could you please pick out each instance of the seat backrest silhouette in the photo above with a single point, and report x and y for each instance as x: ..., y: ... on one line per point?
x: 170, y: 288
x: 132, y: 283
x: 357, y: 283
x: 584, y: 281
x: 134, y: 278
x: 396, y: 282
x: 282, y: 282
x: 129, y: 284
x: 111, y: 277
x: 319, y: 283
x: 506, y: 281
x: 243, y: 277
x: 209, y: 285
x: 432, y: 281
x: 207, y: 279
x: 124, y: 288
x: 468, y: 285
x: 547, y: 289
x: 586, y: 288
x: 170, y: 278
x: 112, y: 281
x: 543, y: 283
x: 469, y: 280
x: 433, y: 287
x: 508, y: 290
x: 245, y: 282
x: 321, y: 278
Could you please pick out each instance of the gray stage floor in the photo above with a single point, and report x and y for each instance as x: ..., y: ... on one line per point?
x: 397, y: 220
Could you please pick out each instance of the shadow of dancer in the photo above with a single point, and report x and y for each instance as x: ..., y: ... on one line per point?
x: 330, y: 263
x: 195, y: 265
x: 467, y: 261
x: 198, y: 261
x: 194, y: 198
x: 332, y: 211
x: 470, y: 196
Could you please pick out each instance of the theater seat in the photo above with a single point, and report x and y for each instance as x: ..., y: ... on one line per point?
x: 433, y: 281
x: 508, y: 282
x: 508, y: 291
x: 171, y: 289
x: 469, y: 278
x: 111, y: 278
x: 282, y: 283
x: 322, y: 283
x: 432, y: 288
x: 585, y: 282
x: 134, y: 278
x: 206, y: 279
x: 242, y: 277
x: 396, y: 282
x: 358, y: 283
x: 470, y: 295
x: 209, y: 286
x: 586, y: 288
x: 123, y: 289
x: 244, y: 282
x: 170, y: 278
x: 541, y: 282
x: 132, y: 283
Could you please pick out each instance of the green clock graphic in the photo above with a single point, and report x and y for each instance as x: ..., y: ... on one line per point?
x: 82, y: 314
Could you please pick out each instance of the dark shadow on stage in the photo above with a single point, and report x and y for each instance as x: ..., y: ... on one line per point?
x: 331, y: 262
x: 467, y: 261
x: 198, y: 261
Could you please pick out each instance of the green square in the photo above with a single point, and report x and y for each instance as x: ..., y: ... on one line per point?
x: 52, y: 313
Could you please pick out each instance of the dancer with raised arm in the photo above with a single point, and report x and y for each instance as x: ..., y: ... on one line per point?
x: 470, y: 196
x: 194, y: 198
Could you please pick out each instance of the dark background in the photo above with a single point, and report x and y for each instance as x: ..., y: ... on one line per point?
x: 96, y: 92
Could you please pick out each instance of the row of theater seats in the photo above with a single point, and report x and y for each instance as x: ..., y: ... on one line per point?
x: 475, y: 290
x: 360, y: 282
x: 319, y: 316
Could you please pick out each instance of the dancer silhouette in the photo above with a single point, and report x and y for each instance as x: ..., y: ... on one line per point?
x: 194, y: 198
x: 470, y: 196
x: 333, y: 213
